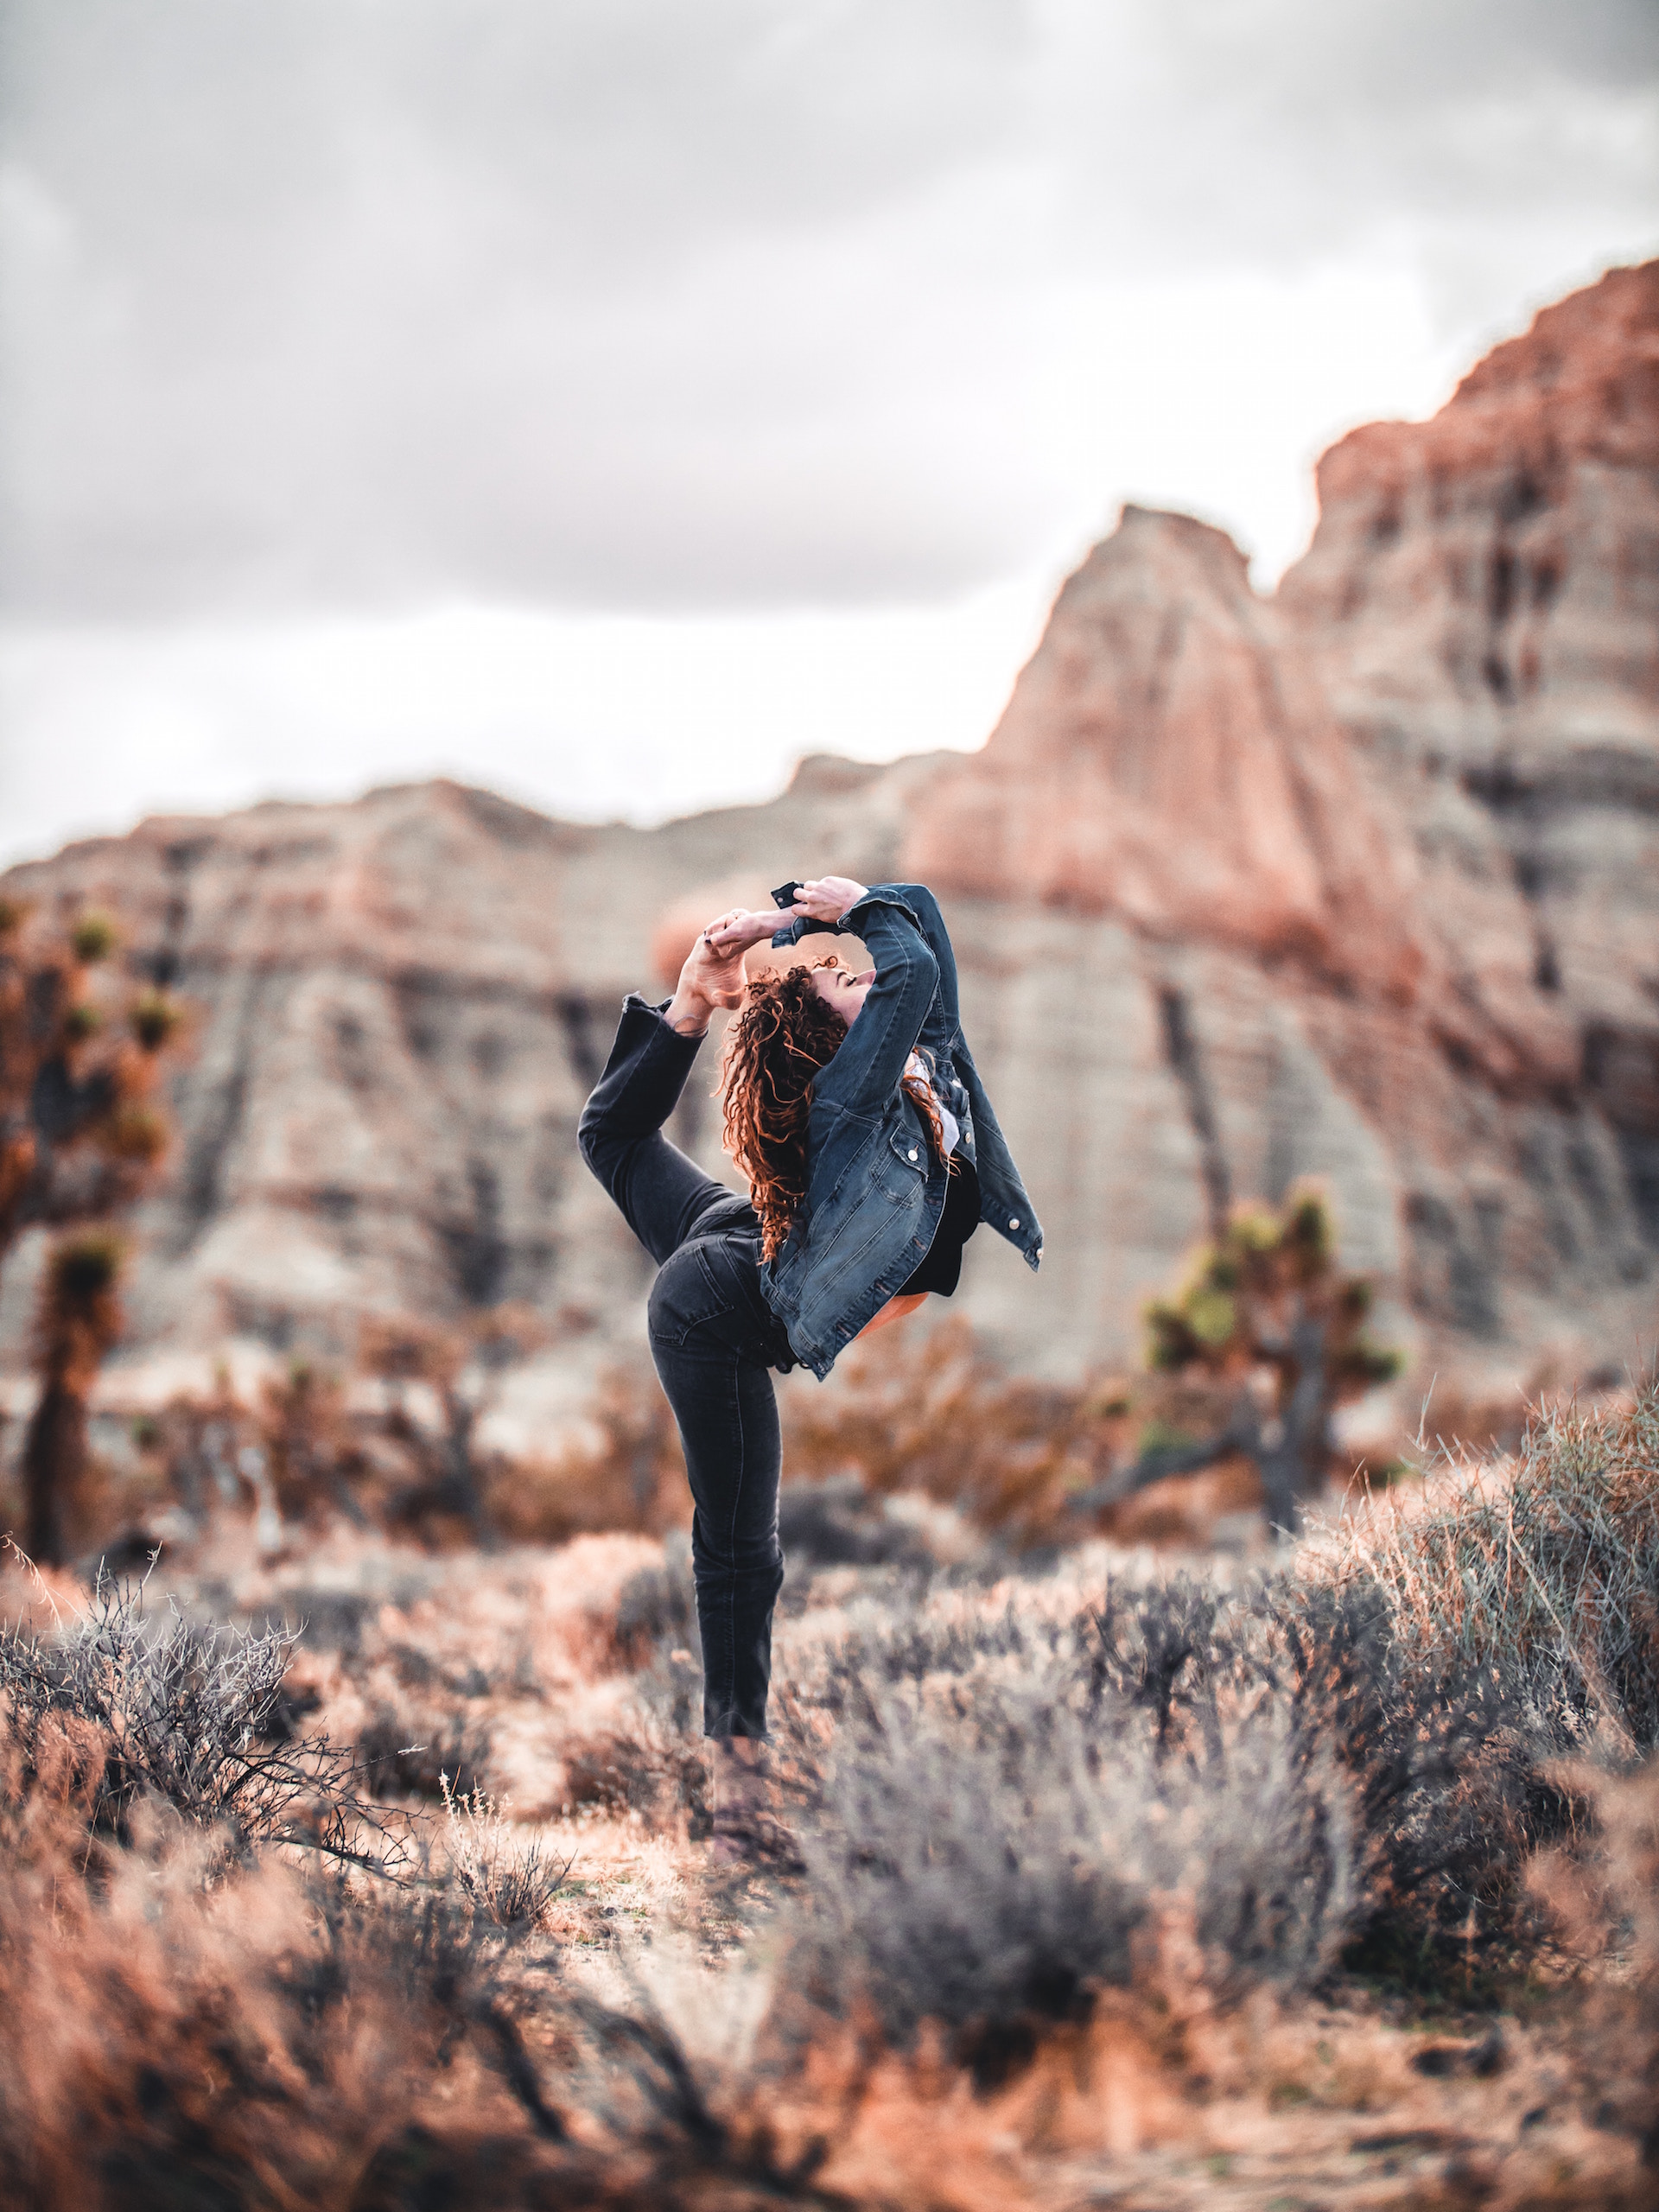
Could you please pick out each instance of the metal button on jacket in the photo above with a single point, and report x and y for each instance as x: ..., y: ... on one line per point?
x: 912, y: 1152
x: 1014, y: 1224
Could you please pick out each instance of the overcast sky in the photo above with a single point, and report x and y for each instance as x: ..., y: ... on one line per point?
x: 611, y: 401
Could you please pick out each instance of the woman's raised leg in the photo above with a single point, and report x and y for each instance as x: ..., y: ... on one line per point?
x: 662, y: 1195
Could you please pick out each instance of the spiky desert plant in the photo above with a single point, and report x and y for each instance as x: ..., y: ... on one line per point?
x: 78, y: 1319
x: 511, y: 1882
x: 120, y: 1706
x: 1266, y: 1312
x: 305, y: 1450
x: 78, y: 1135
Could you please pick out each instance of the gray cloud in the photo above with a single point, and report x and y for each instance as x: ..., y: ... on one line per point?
x: 637, y: 303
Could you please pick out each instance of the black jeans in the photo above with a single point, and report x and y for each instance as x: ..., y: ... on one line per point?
x: 713, y: 1340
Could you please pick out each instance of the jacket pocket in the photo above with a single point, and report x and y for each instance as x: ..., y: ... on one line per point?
x: 901, y: 1167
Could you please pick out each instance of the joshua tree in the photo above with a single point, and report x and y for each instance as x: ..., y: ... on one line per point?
x: 1265, y: 1309
x: 79, y: 1139
x: 78, y: 1318
x: 78, y: 1135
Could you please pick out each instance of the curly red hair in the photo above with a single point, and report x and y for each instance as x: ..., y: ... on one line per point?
x: 777, y: 1043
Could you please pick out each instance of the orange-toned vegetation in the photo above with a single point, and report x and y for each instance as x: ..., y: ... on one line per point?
x: 79, y: 1139
x: 401, y: 1443
x: 364, y: 1873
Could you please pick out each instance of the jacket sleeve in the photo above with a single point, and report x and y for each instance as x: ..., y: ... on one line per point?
x: 865, y: 1073
x: 944, y: 1020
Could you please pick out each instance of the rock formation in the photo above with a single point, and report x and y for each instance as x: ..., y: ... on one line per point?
x: 1418, y: 789
x: 1165, y: 760
x: 1360, y: 881
x: 1480, y: 604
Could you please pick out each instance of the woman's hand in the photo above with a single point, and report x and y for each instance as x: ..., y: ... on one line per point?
x: 712, y: 974
x: 828, y: 898
x: 741, y: 928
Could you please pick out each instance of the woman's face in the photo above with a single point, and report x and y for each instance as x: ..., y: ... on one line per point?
x: 843, y: 991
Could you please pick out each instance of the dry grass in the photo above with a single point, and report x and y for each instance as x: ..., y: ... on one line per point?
x: 1542, y: 1569
x: 1100, y: 1883
x: 937, y: 1416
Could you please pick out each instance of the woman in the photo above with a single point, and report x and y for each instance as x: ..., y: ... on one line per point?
x: 853, y: 1108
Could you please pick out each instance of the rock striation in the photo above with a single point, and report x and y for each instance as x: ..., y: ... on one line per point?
x: 1360, y: 880
x: 1480, y: 605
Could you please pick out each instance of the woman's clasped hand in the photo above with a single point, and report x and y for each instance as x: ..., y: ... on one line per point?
x: 714, y: 976
x: 825, y: 900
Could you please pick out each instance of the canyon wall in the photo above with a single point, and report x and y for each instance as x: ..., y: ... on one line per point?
x: 1359, y: 882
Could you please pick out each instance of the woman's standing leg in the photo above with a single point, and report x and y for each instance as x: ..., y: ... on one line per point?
x: 704, y: 1344
x: 709, y: 1334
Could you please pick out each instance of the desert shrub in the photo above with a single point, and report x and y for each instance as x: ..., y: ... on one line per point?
x: 183, y: 2030
x: 626, y: 1473
x: 654, y: 1765
x: 657, y: 1611
x: 989, y: 1805
x: 119, y: 1705
x: 1461, y: 1641
x: 994, y: 1818
x: 300, y: 2048
x: 911, y: 1641
x: 989, y: 1871
x: 328, y: 1620
x: 653, y: 1762
x: 178, y: 2035
x: 458, y: 1370
x: 307, y: 1441
x: 1600, y: 1888
x: 940, y: 1416
x: 1452, y: 1793
x: 1541, y: 1574
x: 837, y: 1522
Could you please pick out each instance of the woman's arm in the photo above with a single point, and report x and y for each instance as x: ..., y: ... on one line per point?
x: 832, y: 904
x: 944, y: 1020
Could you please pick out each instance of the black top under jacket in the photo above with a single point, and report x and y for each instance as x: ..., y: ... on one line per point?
x: 941, y: 1271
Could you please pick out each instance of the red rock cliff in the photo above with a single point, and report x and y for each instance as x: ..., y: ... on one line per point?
x: 1164, y: 758
x: 1480, y: 604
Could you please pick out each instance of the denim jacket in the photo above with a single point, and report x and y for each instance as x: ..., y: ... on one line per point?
x: 874, y: 1191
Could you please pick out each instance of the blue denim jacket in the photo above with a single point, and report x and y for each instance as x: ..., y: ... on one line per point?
x: 874, y: 1191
